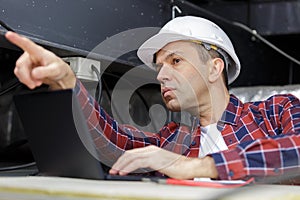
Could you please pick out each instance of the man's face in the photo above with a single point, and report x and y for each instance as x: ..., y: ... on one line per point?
x: 182, y: 76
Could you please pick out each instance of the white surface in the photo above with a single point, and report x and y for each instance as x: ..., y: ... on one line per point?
x: 266, y: 192
x: 67, y: 188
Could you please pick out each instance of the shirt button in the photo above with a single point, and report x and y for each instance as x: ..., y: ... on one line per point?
x: 276, y: 170
x: 230, y: 141
x: 231, y: 174
x: 193, y: 143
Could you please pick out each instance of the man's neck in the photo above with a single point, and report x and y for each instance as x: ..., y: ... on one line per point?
x: 213, y: 110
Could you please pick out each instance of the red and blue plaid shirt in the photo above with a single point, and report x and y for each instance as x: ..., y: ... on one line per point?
x: 262, y: 137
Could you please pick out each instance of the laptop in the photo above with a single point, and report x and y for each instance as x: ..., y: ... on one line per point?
x: 58, y: 136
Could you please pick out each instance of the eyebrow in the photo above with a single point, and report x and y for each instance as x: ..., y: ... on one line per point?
x: 170, y: 55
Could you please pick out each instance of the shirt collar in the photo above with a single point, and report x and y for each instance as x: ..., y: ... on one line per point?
x: 231, y: 114
x: 195, y: 122
x: 233, y: 111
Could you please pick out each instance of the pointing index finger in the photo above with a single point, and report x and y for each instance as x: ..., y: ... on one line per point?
x: 24, y: 43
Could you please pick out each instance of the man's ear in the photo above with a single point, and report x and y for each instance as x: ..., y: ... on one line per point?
x: 215, y: 69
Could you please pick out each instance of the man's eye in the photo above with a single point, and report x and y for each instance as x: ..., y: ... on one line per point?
x: 176, y: 60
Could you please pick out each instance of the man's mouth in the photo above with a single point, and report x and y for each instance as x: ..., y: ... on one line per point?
x: 166, y: 91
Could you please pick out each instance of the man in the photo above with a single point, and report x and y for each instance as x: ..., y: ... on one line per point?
x: 194, y: 59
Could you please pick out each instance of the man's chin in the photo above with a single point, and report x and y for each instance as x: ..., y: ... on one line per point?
x: 173, y: 106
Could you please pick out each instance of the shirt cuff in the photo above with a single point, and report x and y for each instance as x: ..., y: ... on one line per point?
x: 81, y: 93
x: 229, y: 164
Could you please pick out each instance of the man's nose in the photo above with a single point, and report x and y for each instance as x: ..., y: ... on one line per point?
x: 164, y: 74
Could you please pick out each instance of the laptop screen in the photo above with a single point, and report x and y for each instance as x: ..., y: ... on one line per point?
x: 58, y: 135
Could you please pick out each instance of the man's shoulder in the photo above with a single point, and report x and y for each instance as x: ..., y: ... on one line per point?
x: 277, y: 99
x: 282, y: 97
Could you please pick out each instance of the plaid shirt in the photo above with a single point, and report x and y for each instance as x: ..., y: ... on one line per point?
x: 262, y: 137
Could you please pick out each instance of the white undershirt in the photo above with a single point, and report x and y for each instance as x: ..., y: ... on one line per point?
x: 211, y: 141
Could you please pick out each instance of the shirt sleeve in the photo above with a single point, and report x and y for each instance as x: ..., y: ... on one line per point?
x: 110, y: 138
x: 268, y: 156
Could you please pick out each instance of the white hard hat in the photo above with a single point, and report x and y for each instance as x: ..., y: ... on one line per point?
x: 190, y: 28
